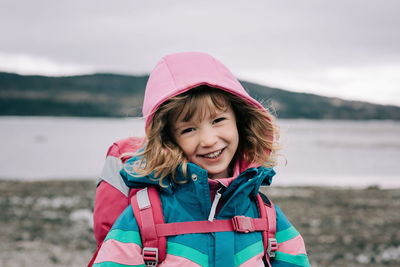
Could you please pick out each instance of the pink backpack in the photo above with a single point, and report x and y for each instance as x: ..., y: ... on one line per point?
x: 147, y: 209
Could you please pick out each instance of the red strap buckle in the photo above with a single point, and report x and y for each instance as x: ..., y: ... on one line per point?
x: 150, y: 256
x: 242, y: 224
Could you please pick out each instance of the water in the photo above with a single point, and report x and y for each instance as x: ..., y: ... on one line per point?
x: 331, y: 153
x: 350, y: 153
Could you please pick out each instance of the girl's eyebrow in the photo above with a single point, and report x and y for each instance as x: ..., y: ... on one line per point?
x: 221, y: 112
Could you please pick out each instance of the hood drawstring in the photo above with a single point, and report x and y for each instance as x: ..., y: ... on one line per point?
x: 215, y: 204
x: 223, y: 186
x: 217, y: 197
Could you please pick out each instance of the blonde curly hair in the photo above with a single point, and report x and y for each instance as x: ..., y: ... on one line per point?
x: 161, y: 156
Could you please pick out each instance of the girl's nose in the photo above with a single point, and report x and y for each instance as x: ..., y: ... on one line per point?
x: 208, y: 137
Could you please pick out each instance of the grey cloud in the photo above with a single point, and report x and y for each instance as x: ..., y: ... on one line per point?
x: 130, y: 36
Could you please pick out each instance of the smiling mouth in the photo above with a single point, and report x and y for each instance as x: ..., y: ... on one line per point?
x: 213, y: 155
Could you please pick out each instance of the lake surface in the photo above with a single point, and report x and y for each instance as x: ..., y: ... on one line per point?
x: 318, y: 152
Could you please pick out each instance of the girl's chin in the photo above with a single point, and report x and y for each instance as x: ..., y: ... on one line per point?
x: 220, y: 170
x: 217, y: 175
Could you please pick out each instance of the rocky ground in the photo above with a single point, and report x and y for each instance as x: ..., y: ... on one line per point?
x: 50, y: 223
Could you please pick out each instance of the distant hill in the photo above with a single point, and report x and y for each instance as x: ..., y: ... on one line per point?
x: 114, y: 95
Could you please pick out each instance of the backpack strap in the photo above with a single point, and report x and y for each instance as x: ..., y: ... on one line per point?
x: 146, y: 206
x: 267, y: 211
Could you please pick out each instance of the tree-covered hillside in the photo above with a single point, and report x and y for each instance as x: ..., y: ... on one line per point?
x: 113, y: 95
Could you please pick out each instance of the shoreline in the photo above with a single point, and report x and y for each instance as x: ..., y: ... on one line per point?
x: 300, y: 186
x: 49, y: 223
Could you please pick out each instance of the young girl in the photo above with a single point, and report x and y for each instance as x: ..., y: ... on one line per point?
x: 209, y: 147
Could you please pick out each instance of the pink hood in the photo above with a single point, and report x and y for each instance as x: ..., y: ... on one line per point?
x: 180, y: 72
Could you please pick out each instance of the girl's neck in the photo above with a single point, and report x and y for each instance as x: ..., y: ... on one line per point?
x: 233, y: 173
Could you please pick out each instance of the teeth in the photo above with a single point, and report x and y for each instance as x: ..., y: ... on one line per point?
x: 213, y: 155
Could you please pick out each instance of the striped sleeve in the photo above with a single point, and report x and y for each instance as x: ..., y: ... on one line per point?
x: 122, y: 245
x: 291, y: 249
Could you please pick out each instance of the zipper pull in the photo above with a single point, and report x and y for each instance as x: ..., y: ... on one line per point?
x: 214, y: 205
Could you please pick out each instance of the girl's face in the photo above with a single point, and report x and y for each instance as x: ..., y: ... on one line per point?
x: 208, y: 141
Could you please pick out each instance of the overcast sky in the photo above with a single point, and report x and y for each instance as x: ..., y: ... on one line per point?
x: 344, y: 48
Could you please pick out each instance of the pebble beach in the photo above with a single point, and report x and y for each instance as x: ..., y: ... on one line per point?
x: 49, y: 223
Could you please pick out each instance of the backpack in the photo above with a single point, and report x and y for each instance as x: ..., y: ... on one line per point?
x: 147, y: 209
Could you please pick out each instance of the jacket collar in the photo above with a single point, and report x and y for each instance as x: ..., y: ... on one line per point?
x: 252, y: 178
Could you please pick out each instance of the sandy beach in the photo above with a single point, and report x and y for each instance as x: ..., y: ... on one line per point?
x: 49, y: 223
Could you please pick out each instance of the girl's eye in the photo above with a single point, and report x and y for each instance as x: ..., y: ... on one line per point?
x: 187, y: 130
x: 219, y: 119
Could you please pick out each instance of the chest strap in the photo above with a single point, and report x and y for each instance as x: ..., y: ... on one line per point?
x: 241, y: 224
